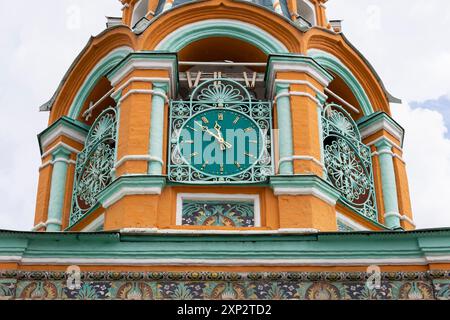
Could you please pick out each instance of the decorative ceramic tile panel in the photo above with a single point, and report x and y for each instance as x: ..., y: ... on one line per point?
x: 240, y: 214
x: 433, y: 285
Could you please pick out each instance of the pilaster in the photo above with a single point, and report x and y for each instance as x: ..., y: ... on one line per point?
x: 385, y: 136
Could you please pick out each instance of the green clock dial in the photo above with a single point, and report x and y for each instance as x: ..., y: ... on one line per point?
x: 220, y: 142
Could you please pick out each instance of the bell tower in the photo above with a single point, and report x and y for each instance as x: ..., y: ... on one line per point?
x: 245, y: 117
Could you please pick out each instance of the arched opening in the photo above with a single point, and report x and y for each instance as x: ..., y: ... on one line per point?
x: 140, y: 10
x: 338, y: 92
x: 97, y: 101
x: 217, y: 57
x: 306, y: 11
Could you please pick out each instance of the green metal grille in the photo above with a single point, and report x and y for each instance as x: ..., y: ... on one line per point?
x: 348, y: 162
x: 95, y: 164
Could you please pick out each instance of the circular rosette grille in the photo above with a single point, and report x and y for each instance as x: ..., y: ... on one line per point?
x: 346, y: 170
x: 95, y: 165
x: 96, y: 175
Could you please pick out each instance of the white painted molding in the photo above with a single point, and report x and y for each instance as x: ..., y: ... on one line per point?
x: 394, y: 155
x: 144, y: 64
x: 350, y: 222
x: 144, y: 91
x: 213, y: 196
x: 293, y: 191
x: 298, y: 67
x: 302, y: 82
x: 126, y: 191
x: 40, y: 225
x: 392, y: 214
x: 394, y: 144
x: 299, y: 231
x: 147, y: 158
x: 53, y: 221
x: 151, y: 231
x: 50, y: 163
x: 301, y: 158
x: 297, y: 94
x: 94, y: 225
x: 228, y: 262
x: 59, y: 145
x: 138, y: 79
x: 382, y: 125
x: 62, y: 130
x: 407, y: 219
x: 401, y: 217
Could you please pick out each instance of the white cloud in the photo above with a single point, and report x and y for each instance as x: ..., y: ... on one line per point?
x: 38, y: 46
x: 427, y: 154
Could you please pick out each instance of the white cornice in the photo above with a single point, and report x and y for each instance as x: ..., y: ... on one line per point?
x: 302, y: 67
x: 126, y: 191
x: 383, y: 124
x: 62, y: 130
x: 146, y: 64
x: 299, y: 191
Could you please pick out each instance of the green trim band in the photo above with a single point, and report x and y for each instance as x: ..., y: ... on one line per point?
x: 334, y: 65
x: 418, y: 247
x: 222, y: 28
x: 98, y: 72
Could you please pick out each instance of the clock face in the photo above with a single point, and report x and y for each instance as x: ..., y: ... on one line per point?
x: 220, y: 142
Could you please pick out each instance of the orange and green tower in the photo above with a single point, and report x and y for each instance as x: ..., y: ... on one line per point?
x: 219, y: 147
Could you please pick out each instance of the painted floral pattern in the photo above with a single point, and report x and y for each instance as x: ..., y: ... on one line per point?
x: 226, y: 286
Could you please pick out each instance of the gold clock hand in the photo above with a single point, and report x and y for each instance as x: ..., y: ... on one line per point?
x: 219, y: 138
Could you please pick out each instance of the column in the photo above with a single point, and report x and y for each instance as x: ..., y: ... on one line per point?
x: 285, y: 129
x: 157, y: 128
x: 57, y: 191
x: 388, y: 184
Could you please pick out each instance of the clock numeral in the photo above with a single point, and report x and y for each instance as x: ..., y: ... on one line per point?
x: 236, y: 120
x: 205, y: 120
x: 220, y: 117
x: 237, y: 165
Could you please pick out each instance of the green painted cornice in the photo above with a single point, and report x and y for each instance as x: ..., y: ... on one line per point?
x: 68, y: 126
x: 417, y: 247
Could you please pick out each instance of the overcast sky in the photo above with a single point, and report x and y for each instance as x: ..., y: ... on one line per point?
x: 405, y: 40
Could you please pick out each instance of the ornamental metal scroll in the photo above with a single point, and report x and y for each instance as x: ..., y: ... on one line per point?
x: 348, y: 162
x: 223, y: 94
x: 95, y: 164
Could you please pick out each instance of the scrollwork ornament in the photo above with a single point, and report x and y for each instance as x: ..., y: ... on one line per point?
x: 95, y: 165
